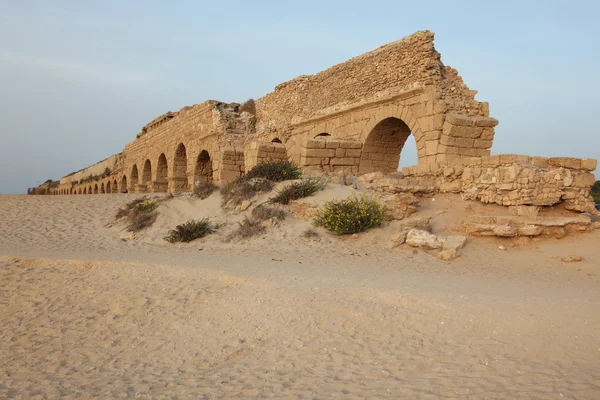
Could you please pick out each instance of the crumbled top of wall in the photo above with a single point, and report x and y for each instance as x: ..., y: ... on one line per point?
x: 389, y: 70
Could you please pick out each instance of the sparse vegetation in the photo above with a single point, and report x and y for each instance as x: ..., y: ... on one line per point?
x: 351, y: 215
x: 241, y: 189
x: 275, y: 171
x: 299, y: 190
x: 310, y: 234
x: 248, y: 228
x: 596, y: 192
x: 191, y: 230
x: 140, y: 213
x: 264, y: 212
x: 249, y: 106
x: 204, y: 189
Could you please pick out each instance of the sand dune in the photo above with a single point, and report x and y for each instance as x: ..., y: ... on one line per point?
x: 84, y: 314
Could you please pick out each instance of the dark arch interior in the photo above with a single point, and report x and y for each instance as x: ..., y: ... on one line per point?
x: 147, y: 172
x: 124, y: 184
x: 382, y: 148
x: 108, y: 187
x: 134, y: 175
x: 203, y: 172
x: 276, y: 140
x: 324, y: 134
x: 180, y: 162
x: 162, y: 169
x: 115, y: 187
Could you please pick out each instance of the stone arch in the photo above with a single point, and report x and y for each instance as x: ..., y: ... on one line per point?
x: 134, y: 177
x: 84, y: 190
x: 147, y: 172
x: 108, y: 187
x: 203, y: 171
x: 79, y: 192
x: 96, y: 188
x: 124, y: 184
x: 115, y: 187
x: 323, y: 135
x: 383, y: 145
x: 180, y: 162
x: 90, y: 191
x: 162, y: 168
x: 102, y: 190
x: 276, y: 140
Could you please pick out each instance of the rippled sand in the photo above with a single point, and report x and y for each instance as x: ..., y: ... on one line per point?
x: 86, y: 315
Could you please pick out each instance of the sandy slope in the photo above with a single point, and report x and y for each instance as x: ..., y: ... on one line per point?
x: 86, y: 315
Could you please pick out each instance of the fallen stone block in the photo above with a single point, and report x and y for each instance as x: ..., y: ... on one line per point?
x: 423, y: 239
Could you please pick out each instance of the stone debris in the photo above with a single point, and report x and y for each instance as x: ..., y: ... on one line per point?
x: 570, y: 259
x: 423, y: 239
x: 512, y: 226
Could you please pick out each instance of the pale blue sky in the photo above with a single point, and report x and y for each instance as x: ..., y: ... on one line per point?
x: 79, y: 78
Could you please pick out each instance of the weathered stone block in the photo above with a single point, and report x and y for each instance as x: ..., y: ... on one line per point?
x: 566, y: 162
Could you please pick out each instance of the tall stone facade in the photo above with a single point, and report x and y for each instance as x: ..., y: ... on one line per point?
x: 353, y: 117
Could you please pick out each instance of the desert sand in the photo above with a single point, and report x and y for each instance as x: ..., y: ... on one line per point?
x: 86, y: 315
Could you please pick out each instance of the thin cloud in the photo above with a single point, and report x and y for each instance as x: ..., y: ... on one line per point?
x: 79, y: 72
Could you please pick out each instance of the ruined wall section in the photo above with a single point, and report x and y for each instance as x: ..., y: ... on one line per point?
x: 513, y: 180
x: 393, y: 69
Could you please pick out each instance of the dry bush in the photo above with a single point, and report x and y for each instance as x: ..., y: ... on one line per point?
x: 139, y: 220
x: 264, y: 212
x: 248, y: 228
x: 275, y: 171
x: 140, y: 213
x: 299, y: 190
x: 249, y: 106
x: 310, y: 234
x: 204, y: 189
x: 191, y: 230
x: 239, y: 190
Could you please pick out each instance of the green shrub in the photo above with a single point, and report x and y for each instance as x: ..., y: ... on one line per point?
x: 351, y: 215
x: 248, y: 228
x: 299, y: 190
x: 264, y: 212
x: 275, y: 171
x: 596, y: 192
x: 204, y: 189
x: 248, y: 106
x: 241, y: 189
x: 191, y: 230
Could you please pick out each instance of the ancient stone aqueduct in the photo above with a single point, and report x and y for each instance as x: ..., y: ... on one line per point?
x: 354, y: 117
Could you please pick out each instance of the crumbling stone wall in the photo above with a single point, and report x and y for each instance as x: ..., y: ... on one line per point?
x: 513, y: 180
x: 327, y: 154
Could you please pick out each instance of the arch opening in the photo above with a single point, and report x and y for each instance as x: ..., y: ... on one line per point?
x: 180, y: 162
x: 134, y: 175
x: 276, y: 140
x: 108, y: 187
x: 115, y: 187
x: 323, y: 135
x: 382, y: 148
x: 96, y: 188
x: 102, y: 188
x: 203, y: 172
x: 147, y: 173
x: 124, y: 184
x: 162, y: 169
x: 84, y: 190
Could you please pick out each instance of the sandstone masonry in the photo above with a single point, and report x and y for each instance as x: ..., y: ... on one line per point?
x: 353, y: 117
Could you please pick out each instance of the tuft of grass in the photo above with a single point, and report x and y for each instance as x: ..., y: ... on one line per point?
x: 275, y: 171
x: 204, y: 189
x: 140, y: 213
x: 241, y: 189
x: 351, y: 215
x: 191, y: 230
x: 248, y: 228
x: 264, y: 212
x: 299, y: 190
x: 310, y: 234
